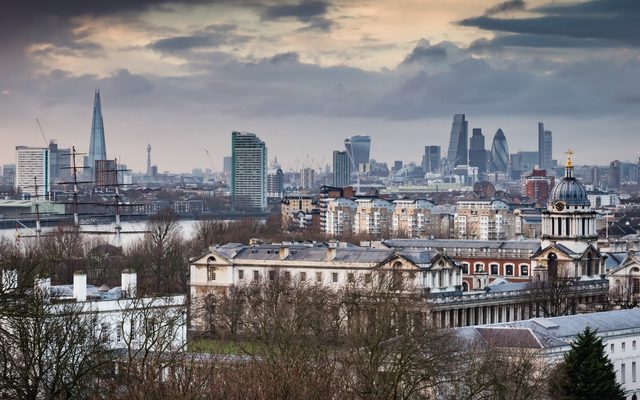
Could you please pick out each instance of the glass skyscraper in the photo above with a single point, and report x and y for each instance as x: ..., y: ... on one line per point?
x: 431, y: 159
x: 458, y: 141
x: 248, y: 172
x: 341, y: 169
x: 358, y: 149
x: 545, y: 148
x: 499, y: 153
x: 477, y: 153
x: 97, y: 146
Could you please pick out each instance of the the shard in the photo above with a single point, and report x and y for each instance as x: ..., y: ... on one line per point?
x: 97, y: 147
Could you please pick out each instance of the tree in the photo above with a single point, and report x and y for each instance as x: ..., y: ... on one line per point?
x: 554, y: 296
x: 586, y: 372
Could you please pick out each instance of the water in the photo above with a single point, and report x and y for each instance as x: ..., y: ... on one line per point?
x: 187, y: 228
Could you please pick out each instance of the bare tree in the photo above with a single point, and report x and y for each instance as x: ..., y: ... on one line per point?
x: 553, y: 296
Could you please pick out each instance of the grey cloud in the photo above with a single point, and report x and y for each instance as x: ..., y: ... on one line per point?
x: 210, y: 37
x: 615, y: 21
x: 304, y: 11
x: 424, y: 51
x: 506, y: 6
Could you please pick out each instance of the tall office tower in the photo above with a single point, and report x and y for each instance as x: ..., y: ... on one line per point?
x: 359, y: 150
x: 105, y: 173
x: 523, y: 161
x: 499, y: 153
x: 431, y: 159
x: 545, y: 148
x: 275, y: 183
x: 248, y: 172
x: 457, y: 154
x: 397, y: 165
x: 149, y: 159
x: 615, y: 174
x: 33, y: 162
x: 59, y: 161
x: 477, y: 153
x: 9, y: 173
x: 97, y: 146
x: 341, y: 169
x: 307, y: 178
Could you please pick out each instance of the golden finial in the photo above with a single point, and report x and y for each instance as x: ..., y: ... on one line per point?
x: 569, y: 163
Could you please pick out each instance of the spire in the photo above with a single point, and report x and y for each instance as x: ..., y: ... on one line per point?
x: 568, y: 167
x: 97, y: 147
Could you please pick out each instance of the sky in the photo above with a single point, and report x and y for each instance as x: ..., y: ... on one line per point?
x: 304, y: 75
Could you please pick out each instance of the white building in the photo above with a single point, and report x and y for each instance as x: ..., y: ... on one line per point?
x: 619, y: 330
x: 333, y: 265
x: 33, y: 162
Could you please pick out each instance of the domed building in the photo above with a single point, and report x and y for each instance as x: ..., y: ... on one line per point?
x: 569, y: 238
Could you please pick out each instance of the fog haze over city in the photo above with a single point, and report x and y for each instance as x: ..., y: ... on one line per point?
x: 306, y: 75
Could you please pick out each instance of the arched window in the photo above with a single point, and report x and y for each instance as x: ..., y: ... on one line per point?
x: 589, y: 265
x: 552, y: 266
x: 508, y: 269
x: 495, y: 269
x: 478, y: 268
x: 524, y: 270
x: 478, y: 283
x: 211, y: 260
x: 465, y: 287
x: 465, y: 268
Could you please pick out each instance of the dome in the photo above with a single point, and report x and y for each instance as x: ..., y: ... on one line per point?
x: 570, y: 191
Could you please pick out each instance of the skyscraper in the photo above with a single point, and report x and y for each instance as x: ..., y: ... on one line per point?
x: 307, y: 178
x: 33, y: 162
x: 431, y: 159
x: 149, y: 159
x: 248, y: 172
x: 499, y: 153
x: 275, y: 183
x: 359, y: 150
x: 458, y: 141
x: 615, y: 174
x: 97, y: 146
x: 477, y: 153
x: 341, y: 169
x: 545, y: 147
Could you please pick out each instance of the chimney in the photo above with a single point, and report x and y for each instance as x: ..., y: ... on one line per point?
x: 129, y: 283
x: 331, y: 251
x: 9, y: 280
x: 42, y: 286
x: 284, y: 252
x: 80, y: 286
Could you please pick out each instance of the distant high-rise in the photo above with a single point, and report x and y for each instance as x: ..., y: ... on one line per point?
x: 615, y: 174
x: 457, y: 154
x: 431, y: 159
x: 275, y: 183
x: 359, y: 150
x: 60, y: 162
x: 341, y: 169
x: 477, y: 152
x: 33, y: 162
x: 307, y: 178
x: 499, y: 153
x: 545, y: 148
x: 106, y: 173
x: 97, y: 146
x: 248, y: 172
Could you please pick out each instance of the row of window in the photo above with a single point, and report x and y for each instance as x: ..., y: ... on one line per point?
x: 623, y: 372
x: 612, y: 346
x: 302, y: 275
x: 494, y: 269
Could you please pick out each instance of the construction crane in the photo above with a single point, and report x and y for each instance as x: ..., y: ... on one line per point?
x: 46, y: 142
x: 210, y: 159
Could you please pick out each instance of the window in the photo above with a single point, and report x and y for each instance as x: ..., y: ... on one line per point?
x: 240, y: 274
x: 303, y: 276
x: 508, y: 270
x: 256, y: 275
x: 272, y: 275
x: 465, y: 268
x: 524, y: 270
x: 633, y: 371
x: 622, y: 373
x: 633, y: 345
x: 334, y: 277
x: 351, y: 277
x: 287, y: 275
x: 318, y: 276
x: 412, y: 275
x: 211, y: 273
x: 623, y: 346
x: 478, y: 267
x: 118, y: 335
x: 495, y: 268
x: 104, y: 331
x: 367, y: 278
x: 612, y: 347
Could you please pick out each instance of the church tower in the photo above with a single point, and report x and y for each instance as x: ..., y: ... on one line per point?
x: 569, y: 237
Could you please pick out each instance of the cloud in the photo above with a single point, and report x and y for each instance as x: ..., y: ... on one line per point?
x: 506, y: 6
x: 614, y: 21
x: 424, y: 51
x: 304, y: 11
x: 212, y: 36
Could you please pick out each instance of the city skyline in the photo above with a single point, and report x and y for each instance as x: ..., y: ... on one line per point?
x: 201, y: 69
